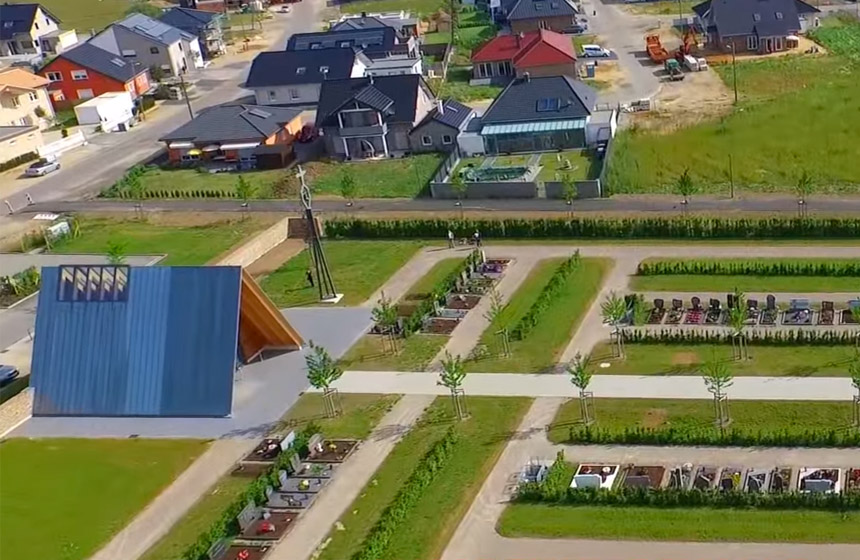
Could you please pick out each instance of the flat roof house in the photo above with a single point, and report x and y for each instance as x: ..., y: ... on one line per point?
x: 531, y: 15
x: 761, y: 26
x: 538, y: 114
x: 540, y: 53
x: 15, y: 141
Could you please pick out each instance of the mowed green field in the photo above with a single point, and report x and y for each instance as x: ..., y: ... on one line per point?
x: 769, y: 149
x: 83, y: 15
x: 65, y: 498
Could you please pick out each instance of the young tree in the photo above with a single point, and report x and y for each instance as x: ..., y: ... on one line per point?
x: 803, y: 189
x: 244, y: 191
x: 569, y: 192
x: 685, y: 187
x: 738, y: 323
x: 385, y: 315
x: 717, y: 379
x: 458, y: 185
x: 493, y: 313
x: 347, y: 187
x: 322, y: 372
x: 854, y: 372
x: 136, y: 191
x: 614, y: 309
x: 452, y: 376
x: 115, y: 252
x: 580, y: 376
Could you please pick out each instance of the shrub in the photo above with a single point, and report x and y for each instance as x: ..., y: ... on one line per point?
x: 16, y: 161
x: 794, y: 337
x: 544, y: 301
x: 712, y: 436
x: 440, y: 291
x: 749, y: 268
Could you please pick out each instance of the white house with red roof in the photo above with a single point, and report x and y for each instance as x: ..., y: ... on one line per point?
x: 540, y: 53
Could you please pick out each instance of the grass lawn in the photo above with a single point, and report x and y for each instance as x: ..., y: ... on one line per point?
x: 441, y: 270
x: 80, y: 491
x: 773, y: 91
x: 683, y: 524
x: 360, y: 415
x: 456, y: 85
x: 163, y: 183
x: 662, y: 7
x: 427, y: 528
x: 184, y: 245
x: 84, y: 15
x: 542, y: 347
x: 417, y: 7
x: 685, y: 359
x: 358, y: 268
x: 582, y: 165
x: 752, y: 416
x: 415, y: 353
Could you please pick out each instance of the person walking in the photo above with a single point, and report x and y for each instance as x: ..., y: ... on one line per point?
x: 310, y: 278
x: 450, y: 239
x: 477, y: 238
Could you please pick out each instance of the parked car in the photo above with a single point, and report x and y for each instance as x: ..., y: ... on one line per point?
x: 42, y: 167
x: 7, y: 374
x: 285, y: 9
x: 595, y: 51
x: 576, y: 29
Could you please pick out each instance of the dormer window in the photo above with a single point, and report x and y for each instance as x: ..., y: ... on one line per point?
x: 300, y: 71
x: 757, y: 17
x: 323, y: 69
x: 779, y: 15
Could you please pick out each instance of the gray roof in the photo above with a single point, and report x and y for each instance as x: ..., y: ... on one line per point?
x: 401, y: 89
x: 380, y: 39
x: 372, y: 97
x: 532, y: 9
x: 364, y: 22
x: 9, y: 132
x: 454, y: 114
x: 282, y: 68
x: 188, y: 20
x: 101, y: 61
x: 765, y: 18
x: 153, y: 29
x: 232, y: 123
x: 518, y: 102
x: 19, y: 18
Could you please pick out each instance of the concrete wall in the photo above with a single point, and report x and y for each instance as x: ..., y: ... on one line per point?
x: 20, y: 145
x: 257, y: 246
x: 584, y: 189
x: 305, y: 94
x: 502, y: 189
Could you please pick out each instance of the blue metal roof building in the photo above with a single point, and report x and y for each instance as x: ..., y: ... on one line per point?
x: 128, y: 341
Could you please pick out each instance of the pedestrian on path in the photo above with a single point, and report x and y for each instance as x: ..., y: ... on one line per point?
x: 310, y: 278
x: 450, y: 239
x: 478, y: 239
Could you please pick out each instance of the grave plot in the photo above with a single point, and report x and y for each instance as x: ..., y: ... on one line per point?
x: 852, y: 479
x: 798, y: 314
x: 595, y: 476
x: 706, y: 477
x: 534, y: 471
x: 637, y: 476
x: 224, y: 551
x: 731, y: 479
x: 329, y: 450
x: 816, y: 479
x: 780, y: 479
x: 262, y: 524
x: 757, y: 480
x: 680, y: 477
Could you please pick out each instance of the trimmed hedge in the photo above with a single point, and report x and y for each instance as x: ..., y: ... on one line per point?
x: 440, y: 291
x: 749, y: 268
x: 391, y: 521
x: 757, y: 338
x: 16, y: 161
x: 544, y: 301
x: 712, y: 436
x: 601, y: 228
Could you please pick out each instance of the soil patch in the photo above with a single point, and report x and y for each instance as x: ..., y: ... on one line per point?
x: 685, y: 358
x: 655, y: 418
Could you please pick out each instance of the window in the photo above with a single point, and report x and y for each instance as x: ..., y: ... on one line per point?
x: 300, y: 71
x: 13, y: 142
x: 36, y: 25
x: 752, y: 42
x: 547, y: 104
x: 779, y: 15
x: 93, y: 283
x: 294, y: 93
x: 191, y: 157
x: 757, y: 17
x: 153, y: 50
x: 27, y: 44
x: 345, y: 44
x: 778, y: 44
x: 79, y: 75
x: 85, y: 94
x: 58, y: 95
x: 273, y: 95
x: 15, y: 102
x: 446, y: 139
x: 315, y: 46
x: 129, y: 53
x: 426, y: 141
x: 33, y: 97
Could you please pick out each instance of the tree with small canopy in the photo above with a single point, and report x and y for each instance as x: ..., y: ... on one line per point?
x: 569, y: 192
x: 580, y: 377
x: 322, y: 372
x: 348, y: 187
x: 452, y: 376
x: 614, y: 309
x: 717, y: 379
x: 116, y: 252
x: 385, y: 316
x: 685, y: 187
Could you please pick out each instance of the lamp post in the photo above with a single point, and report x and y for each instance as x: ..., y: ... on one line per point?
x: 734, y: 71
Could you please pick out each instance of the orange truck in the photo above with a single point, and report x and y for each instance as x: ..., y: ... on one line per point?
x: 656, y: 51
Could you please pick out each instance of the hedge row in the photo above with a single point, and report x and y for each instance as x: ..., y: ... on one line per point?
x: 632, y: 228
x: 705, y: 436
x: 438, y: 294
x: 544, y: 301
x: 391, y: 521
x: 749, y: 268
x: 227, y: 525
x: 758, y: 338
x: 171, y: 193
x: 16, y: 161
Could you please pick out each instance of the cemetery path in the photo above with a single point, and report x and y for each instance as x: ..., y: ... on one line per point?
x: 476, y: 536
x: 603, y: 386
x: 314, y: 525
x: 174, y: 501
x: 418, y: 266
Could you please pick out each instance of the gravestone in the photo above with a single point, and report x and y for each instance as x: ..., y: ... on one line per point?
x: 818, y: 485
x: 637, y: 481
x: 288, y: 440
x: 312, y: 443
x: 587, y: 480
x: 295, y: 463
x: 282, y: 478
x: 249, y: 514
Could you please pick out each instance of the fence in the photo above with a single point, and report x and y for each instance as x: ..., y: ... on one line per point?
x: 492, y: 189
x: 584, y: 189
x: 447, y: 165
x: 63, y: 144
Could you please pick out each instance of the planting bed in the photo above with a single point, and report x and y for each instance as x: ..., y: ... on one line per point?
x: 265, y: 452
x: 279, y: 521
x: 644, y: 477
x: 245, y: 552
x: 333, y: 451
x: 250, y: 470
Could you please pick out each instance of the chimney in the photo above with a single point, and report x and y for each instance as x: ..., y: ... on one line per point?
x: 371, y: 78
x: 520, y: 37
x: 440, y: 107
x: 364, y: 14
x: 527, y: 76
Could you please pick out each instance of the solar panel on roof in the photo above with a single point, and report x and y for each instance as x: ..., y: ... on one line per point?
x: 260, y: 113
x: 118, y: 62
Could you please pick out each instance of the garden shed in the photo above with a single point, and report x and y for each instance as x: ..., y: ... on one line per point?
x: 148, y: 341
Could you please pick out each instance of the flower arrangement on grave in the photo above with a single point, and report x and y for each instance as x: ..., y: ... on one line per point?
x: 332, y: 447
x: 304, y: 485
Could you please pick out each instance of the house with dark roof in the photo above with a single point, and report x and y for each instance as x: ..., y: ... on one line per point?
x: 247, y: 136
x: 215, y: 6
x: 531, y: 15
x: 205, y: 25
x: 538, y: 114
x: 439, y: 130
x: 31, y: 30
x: 402, y: 22
x: 372, y: 117
x: 151, y: 43
x: 540, y: 53
x: 295, y: 77
x: 87, y: 71
x: 761, y: 26
x: 380, y: 40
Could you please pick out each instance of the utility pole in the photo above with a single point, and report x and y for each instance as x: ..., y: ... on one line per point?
x: 734, y: 72
x: 731, y: 179
x: 185, y: 94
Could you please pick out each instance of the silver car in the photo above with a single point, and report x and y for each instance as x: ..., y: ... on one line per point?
x: 42, y: 167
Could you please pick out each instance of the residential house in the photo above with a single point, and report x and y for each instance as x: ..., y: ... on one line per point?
x: 402, y: 22
x: 438, y: 131
x: 15, y: 141
x: 206, y: 26
x: 31, y: 30
x: 295, y: 77
x: 152, y: 43
x: 538, y: 114
x: 246, y: 135
x: 372, y: 117
x: 217, y: 6
x: 87, y: 71
x: 540, y: 53
x: 531, y: 15
x: 369, y: 41
x: 24, y: 99
x: 391, y: 63
x: 761, y: 26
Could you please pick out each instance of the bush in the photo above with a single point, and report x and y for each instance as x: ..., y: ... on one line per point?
x: 795, y: 337
x: 545, y: 300
x: 16, y: 161
x: 601, y: 228
x: 391, y: 520
x: 749, y: 268
x: 440, y: 291
x: 712, y: 436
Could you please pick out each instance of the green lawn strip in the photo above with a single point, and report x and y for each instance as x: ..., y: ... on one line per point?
x: 416, y: 7
x: 539, y: 351
x: 686, y: 359
x: 683, y: 524
x: 385, y: 178
x: 361, y: 413
x: 358, y: 268
x: 184, y: 245
x: 84, y: 15
x: 104, y: 484
x: 414, y: 353
x: 163, y: 183
x: 690, y: 414
x: 582, y: 166
x: 456, y: 85
x: 422, y: 288
x: 715, y: 283
x: 663, y: 7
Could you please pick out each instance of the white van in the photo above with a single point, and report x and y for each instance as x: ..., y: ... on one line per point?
x: 594, y: 51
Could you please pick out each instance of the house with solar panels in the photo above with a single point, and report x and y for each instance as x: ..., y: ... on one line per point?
x: 149, y: 341
x: 151, y: 43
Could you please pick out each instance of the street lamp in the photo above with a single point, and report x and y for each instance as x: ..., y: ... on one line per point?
x: 734, y: 71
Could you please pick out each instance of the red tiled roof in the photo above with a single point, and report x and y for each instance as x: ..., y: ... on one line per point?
x: 536, y: 48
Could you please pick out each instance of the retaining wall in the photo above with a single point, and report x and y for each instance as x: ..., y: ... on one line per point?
x: 257, y: 246
x: 584, y: 189
x: 502, y: 189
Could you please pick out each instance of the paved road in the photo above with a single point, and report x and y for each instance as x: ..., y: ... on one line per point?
x: 648, y: 204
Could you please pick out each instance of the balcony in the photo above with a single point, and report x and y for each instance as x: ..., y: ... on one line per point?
x: 359, y: 131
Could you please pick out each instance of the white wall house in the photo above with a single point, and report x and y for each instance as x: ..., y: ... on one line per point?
x: 111, y: 111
